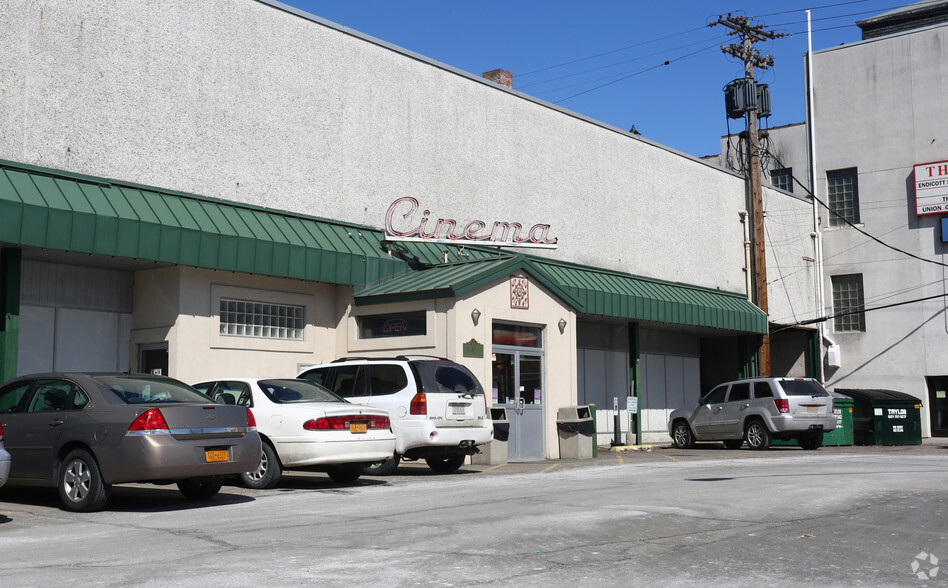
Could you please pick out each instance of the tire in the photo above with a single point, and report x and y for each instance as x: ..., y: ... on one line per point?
x: 200, y: 488
x: 811, y: 442
x: 344, y: 475
x: 383, y: 468
x: 734, y: 443
x: 445, y: 464
x: 80, y: 484
x: 682, y: 435
x: 268, y: 472
x: 757, y: 435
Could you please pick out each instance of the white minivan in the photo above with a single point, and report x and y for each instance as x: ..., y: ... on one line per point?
x: 437, y: 408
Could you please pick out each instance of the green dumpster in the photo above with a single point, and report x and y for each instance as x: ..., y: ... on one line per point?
x: 843, y: 433
x: 885, y: 417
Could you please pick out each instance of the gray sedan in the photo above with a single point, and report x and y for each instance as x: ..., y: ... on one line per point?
x: 84, y: 432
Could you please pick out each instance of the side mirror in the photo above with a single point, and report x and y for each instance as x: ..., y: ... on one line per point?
x: 702, y: 401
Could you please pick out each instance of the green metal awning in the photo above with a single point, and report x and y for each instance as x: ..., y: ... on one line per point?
x: 587, y: 290
x: 615, y: 294
x: 451, y: 281
x: 57, y: 210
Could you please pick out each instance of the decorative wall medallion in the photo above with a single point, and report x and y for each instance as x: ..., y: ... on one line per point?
x: 519, y: 292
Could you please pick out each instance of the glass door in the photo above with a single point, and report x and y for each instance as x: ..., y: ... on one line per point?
x: 517, y: 383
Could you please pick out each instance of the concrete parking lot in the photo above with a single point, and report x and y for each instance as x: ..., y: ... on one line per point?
x: 852, y: 516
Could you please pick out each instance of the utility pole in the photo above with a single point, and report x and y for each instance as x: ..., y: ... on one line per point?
x: 740, y: 26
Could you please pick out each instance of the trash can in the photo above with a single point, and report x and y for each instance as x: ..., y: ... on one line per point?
x: 843, y: 433
x: 495, y: 452
x: 575, y: 429
x: 885, y: 417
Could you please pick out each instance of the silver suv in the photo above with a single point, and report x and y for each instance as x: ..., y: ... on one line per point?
x: 757, y: 410
x: 437, y: 407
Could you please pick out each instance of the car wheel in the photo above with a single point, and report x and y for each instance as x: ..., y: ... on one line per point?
x: 383, y: 468
x: 268, y: 472
x: 811, y: 441
x: 445, y: 464
x: 734, y: 443
x: 681, y: 435
x: 757, y: 435
x: 80, y: 484
x: 344, y: 475
x: 200, y: 488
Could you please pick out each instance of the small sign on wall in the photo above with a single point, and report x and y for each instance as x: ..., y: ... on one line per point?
x: 931, y: 188
x: 519, y: 292
x: 472, y: 349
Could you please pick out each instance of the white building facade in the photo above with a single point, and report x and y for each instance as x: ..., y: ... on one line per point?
x: 880, y: 136
x: 202, y: 188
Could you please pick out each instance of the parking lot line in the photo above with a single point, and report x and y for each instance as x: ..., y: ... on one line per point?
x: 551, y: 468
x: 671, y: 458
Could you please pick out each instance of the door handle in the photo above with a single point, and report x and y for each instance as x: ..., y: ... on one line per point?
x: 520, y: 405
x: 56, y: 422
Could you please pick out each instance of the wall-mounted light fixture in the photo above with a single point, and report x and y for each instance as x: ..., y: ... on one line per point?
x: 562, y: 325
x: 475, y: 316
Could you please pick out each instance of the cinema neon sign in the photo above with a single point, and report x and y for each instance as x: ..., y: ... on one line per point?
x: 446, y: 230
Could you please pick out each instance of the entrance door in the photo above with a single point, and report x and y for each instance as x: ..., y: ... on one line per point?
x: 518, y: 380
x: 938, y: 404
x: 153, y: 359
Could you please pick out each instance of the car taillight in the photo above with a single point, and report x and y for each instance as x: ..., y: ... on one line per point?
x: 337, y: 423
x: 1, y: 432
x: 251, y: 422
x: 419, y: 404
x: 150, y: 420
x: 783, y: 405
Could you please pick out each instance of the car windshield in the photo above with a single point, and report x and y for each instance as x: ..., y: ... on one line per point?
x: 442, y: 376
x: 285, y: 391
x: 803, y: 388
x: 141, y: 389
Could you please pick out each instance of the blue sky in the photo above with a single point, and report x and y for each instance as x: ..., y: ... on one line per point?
x: 604, y: 58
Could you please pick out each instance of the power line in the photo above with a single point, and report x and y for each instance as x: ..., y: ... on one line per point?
x: 678, y: 34
x: 845, y: 220
x: 667, y: 62
x: 609, y: 52
x: 823, y: 319
x: 608, y: 65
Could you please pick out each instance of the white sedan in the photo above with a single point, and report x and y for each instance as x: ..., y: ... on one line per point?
x: 305, y: 426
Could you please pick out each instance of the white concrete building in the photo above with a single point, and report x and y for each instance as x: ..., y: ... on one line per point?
x: 880, y: 125
x: 237, y: 160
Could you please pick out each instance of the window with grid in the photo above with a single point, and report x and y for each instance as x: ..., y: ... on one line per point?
x: 847, y: 299
x: 842, y: 189
x: 782, y: 178
x: 246, y: 318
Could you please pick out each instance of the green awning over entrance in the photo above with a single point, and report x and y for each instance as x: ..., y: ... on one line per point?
x: 587, y: 290
x: 56, y: 210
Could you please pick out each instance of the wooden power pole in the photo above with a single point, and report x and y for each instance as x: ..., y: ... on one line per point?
x: 749, y: 34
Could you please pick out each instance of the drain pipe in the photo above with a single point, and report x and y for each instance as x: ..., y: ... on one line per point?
x: 747, y: 256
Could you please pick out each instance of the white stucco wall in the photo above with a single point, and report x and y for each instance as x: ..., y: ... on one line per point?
x: 453, y: 326
x: 181, y: 306
x: 240, y: 100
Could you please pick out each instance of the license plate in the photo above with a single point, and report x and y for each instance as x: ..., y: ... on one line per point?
x: 813, y: 409
x: 358, y: 427
x: 212, y: 455
x: 458, y: 409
